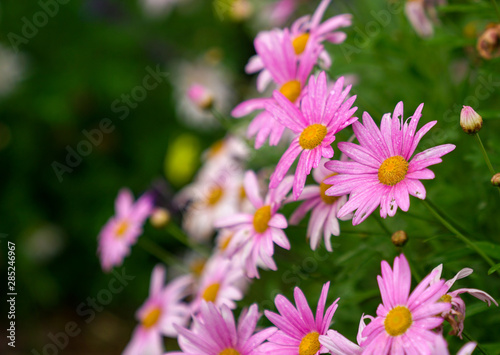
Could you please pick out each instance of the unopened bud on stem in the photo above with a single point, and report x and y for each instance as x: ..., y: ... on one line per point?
x: 470, y: 121
x: 495, y: 180
x: 399, y: 238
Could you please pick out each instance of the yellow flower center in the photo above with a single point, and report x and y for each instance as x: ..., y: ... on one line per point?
x: 215, y: 149
x: 225, y: 242
x: 243, y: 194
x: 197, y: 266
x: 445, y: 298
x: 151, y: 317
x: 210, y: 293
x: 397, y: 321
x: 392, y: 170
x: 309, y: 345
x: 291, y: 90
x: 214, y: 195
x: 312, y: 136
x: 229, y: 351
x: 121, y: 228
x: 329, y: 200
x: 300, y: 42
x: 261, y: 219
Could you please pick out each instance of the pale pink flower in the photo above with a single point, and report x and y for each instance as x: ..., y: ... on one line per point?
x: 277, y: 56
x: 280, y: 11
x: 210, y: 197
x: 322, y: 114
x: 221, y: 282
x: 159, y: 313
x: 256, y: 233
x: 456, y: 315
x: 405, y: 321
x: 215, y: 332
x: 123, y: 229
x: 422, y: 14
x: 323, y: 209
x: 383, y: 172
x: 299, y: 330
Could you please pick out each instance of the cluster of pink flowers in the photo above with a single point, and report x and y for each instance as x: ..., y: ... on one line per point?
x: 406, y: 323
x: 305, y: 112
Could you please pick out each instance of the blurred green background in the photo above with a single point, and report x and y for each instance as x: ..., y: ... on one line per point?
x: 68, y: 77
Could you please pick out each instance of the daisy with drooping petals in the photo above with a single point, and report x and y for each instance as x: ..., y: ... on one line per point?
x: 290, y: 75
x: 299, y: 330
x: 405, y: 321
x: 220, y: 282
x: 383, y: 172
x: 324, y: 209
x: 456, y: 315
x: 214, y: 332
x: 162, y: 309
x: 123, y: 229
x: 308, y: 31
x: 255, y: 234
x: 322, y: 114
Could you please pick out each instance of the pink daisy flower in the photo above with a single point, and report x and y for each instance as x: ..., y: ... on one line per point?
x: 220, y: 283
x: 123, y: 229
x: 157, y: 316
x: 307, y: 35
x: 322, y: 114
x: 456, y: 315
x: 308, y: 31
x: 256, y: 233
x: 383, y: 172
x: 290, y: 75
x: 405, y: 321
x: 299, y: 330
x: 324, y: 209
x: 214, y: 332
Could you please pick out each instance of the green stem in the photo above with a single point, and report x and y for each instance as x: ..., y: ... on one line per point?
x: 222, y: 120
x: 178, y: 234
x: 485, y: 155
x: 382, y: 225
x: 497, y: 10
x: 413, y: 269
x: 157, y: 251
x: 478, y: 346
x: 459, y: 235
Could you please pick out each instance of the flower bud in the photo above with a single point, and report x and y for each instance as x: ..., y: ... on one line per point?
x: 495, y: 180
x: 488, y: 43
x: 399, y: 238
x: 470, y: 121
x: 159, y: 218
x: 200, y: 96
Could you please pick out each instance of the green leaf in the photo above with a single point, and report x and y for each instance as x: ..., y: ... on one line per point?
x: 493, y: 269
